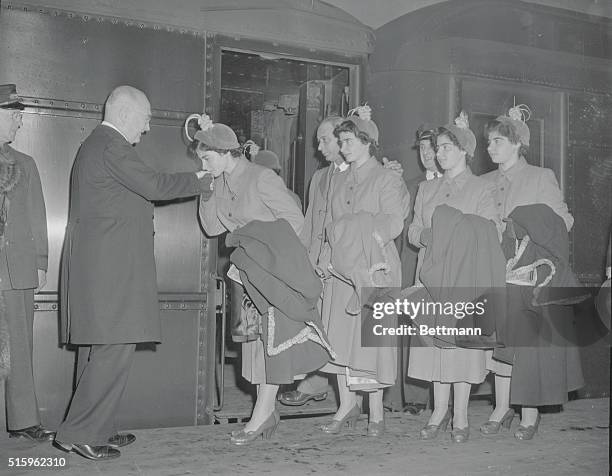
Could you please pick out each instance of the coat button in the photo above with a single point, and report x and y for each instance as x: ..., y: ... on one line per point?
x: 499, y: 204
x: 502, y: 189
x: 229, y: 214
x: 447, y: 195
x: 348, y: 202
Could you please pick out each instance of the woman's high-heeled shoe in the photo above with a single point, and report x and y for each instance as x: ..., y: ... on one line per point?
x: 266, y: 430
x: 429, y: 432
x: 460, y: 435
x: 526, y: 432
x: 492, y: 427
x: 349, y: 420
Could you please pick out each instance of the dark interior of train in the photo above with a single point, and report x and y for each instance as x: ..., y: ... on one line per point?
x: 277, y: 103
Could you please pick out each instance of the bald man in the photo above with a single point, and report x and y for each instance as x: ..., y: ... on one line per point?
x: 108, y: 280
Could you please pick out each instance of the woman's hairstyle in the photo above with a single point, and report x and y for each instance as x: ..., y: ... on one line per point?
x: 195, y: 144
x: 507, y: 130
x: 443, y: 131
x: 364, y: 137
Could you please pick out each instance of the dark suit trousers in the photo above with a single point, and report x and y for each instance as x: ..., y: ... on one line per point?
x: 102, y: 373
x: 21, y: 404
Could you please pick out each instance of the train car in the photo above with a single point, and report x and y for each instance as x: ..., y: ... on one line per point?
x: 272, y: 69
x: 484, y: 57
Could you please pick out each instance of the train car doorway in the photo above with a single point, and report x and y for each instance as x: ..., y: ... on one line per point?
x: 277, y: 102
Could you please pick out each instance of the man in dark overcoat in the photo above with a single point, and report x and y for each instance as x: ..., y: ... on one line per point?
x: 23, y: 267
x: 108, y: 278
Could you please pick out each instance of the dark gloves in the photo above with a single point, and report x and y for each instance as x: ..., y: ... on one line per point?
x: 426, y: 236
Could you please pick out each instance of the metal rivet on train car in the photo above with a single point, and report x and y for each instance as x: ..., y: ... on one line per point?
x: 54, y: 306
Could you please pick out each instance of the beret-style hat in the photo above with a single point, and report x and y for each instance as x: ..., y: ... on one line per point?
x: 461, y: 130
x: 267, y: 158
x: 214, y: 135
x: 361, y: 116
x: 517, y: 118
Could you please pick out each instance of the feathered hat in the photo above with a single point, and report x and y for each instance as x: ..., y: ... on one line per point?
x: 517, y: 118
x: 461, y: 130
x: 361, y: 116
x: 214, y: 135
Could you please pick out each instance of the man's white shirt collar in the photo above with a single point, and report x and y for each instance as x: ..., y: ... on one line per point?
x: 108, y: 124
x: 342, y: 167
x: 430, y: 174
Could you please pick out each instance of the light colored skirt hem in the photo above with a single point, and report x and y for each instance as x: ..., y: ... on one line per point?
x: 498, y: 367
x: 254, y: 363
x: 434, y: 364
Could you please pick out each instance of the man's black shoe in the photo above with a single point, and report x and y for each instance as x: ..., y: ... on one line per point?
x: 414, y: 408
x: 34, y: 433
x: 121, y: 439
x: 88, y: 451
x: 296, y: 398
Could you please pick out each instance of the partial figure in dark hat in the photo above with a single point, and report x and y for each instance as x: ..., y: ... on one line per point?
x: 108, y: 279
x: 414, y: 393
x: 269, y: 159
x: 23, y: 267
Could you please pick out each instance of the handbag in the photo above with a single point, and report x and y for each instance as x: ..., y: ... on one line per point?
x: 248, y: 326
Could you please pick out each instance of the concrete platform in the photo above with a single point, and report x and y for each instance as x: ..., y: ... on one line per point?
x: 573, y: 442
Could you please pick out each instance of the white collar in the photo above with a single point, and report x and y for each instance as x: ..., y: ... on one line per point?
x: 430, y: 174
x: 342, y: 167
x: 112, y: 126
